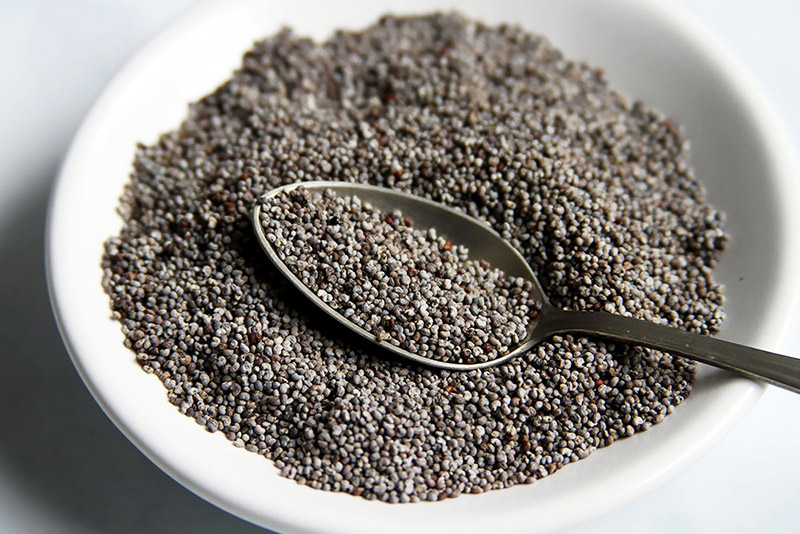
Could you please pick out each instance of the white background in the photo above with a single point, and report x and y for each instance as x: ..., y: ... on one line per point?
x: 63, y: 465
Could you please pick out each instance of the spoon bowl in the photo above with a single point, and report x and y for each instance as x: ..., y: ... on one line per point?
x: 481, y: 240
x: 486, y: 244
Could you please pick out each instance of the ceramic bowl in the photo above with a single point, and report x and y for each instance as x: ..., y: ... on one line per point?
x: 650, y: 51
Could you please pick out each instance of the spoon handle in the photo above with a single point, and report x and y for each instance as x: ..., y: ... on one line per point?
x: 776, y: 369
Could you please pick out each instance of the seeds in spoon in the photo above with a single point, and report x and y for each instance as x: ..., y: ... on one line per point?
x: 409, y: 287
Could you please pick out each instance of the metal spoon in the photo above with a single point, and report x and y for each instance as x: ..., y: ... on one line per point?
x: 485, y: 243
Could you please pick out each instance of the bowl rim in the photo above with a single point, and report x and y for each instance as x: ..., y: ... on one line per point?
x: 771, y: 132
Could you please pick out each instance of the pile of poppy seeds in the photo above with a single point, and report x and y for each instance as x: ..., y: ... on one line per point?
x: 595, y: 191
x: 414, y: 289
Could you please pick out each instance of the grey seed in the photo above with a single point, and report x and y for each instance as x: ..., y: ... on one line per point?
x: 595, y: 191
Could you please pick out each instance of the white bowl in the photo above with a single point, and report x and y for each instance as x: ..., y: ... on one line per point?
x: 650, y: 51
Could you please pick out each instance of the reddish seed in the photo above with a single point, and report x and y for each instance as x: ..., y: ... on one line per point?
x: 398, y: 174
x: 450, y: 388
x: 598, y: 382
x: 407, y: 221
x: 447, y: 245
x: 533, y: 314
x: 245, y: 175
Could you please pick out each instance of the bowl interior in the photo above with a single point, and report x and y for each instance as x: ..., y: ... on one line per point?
x: 649, y: 52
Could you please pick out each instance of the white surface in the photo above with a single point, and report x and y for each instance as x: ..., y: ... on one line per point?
x: 63, y: 466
